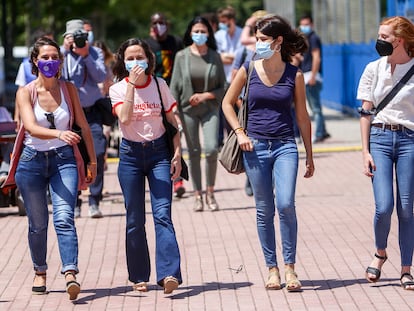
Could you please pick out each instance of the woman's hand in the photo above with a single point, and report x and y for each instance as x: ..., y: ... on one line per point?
x: 135, y: 73
x: 91, y: 173
x: 196, y: 99
x: 310, y: 168
x: 69, y: 137
x: 244, y: 142
x: 175, y: 169
x: 369, y: 165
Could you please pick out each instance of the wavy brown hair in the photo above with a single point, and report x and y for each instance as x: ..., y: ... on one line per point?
x: 293, y: 40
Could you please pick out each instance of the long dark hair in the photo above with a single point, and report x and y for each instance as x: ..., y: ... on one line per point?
x: 211, y: 41
x: 119, y: 69
x: 42, y: 41
x: 293, y: 40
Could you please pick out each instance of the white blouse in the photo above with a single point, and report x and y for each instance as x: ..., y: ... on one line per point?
x: 377, y: 81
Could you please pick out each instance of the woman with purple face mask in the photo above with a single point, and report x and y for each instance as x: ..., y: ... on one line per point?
x: 48, y: 108
x: 388, y: 143
x: 144, y: 156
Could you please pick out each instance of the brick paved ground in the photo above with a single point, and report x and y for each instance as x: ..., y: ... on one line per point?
x: 222, y: 263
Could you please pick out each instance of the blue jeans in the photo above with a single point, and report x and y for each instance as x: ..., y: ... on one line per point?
x: 272, y: 169
x: 150, y: 160
x: 313, y: 95
x: 100, y: 143
x: 393, y: 151
x: 57, y: 170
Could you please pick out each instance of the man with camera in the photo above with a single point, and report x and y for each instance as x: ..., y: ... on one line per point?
x: 84, y: 67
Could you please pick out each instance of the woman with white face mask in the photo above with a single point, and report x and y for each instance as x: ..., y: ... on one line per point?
x: 270, y: 155
x: 198, y: 85
x: 388, y: 142
x: 144, y: 154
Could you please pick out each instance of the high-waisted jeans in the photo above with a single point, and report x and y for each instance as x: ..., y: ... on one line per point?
x: 393, y: 151
x: 56, y: 169
x: 272, y: 169
x: 150, y: 160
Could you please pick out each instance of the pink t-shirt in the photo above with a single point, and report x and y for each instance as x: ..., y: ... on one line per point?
x: 146, y: 123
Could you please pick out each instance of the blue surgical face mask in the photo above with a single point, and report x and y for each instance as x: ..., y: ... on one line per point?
x: 223, y: 26
x: 90, y: 37
x: 306, y: 29
x: 129, y: 64
x: 199, y: 38
x: 263, y: 50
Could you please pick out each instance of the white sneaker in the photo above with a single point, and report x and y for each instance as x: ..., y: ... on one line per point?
x: 94, y: 211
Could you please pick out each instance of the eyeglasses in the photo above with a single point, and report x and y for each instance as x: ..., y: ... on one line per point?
x: 50, y: 117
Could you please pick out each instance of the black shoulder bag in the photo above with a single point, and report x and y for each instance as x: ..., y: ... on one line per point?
x: 170, y: 132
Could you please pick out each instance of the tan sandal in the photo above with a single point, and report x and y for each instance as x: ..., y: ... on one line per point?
x: 72, y: 287
x: 292, y: 282
x: 273, y: 280
x: 39, y: 284
x: 140, y: 287
x: 170, y: 284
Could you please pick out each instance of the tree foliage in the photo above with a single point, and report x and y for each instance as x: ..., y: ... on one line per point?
x: 114, y: 20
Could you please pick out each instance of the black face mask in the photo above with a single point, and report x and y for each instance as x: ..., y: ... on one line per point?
x: 384, y: 48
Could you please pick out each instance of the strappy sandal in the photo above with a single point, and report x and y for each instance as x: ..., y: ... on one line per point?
x: 273, y: 280
x: 406, y: 285
x: 292, y: 282
x: 140, y: 287
x: 72, y: 287
x: 39, y: 289
x: 170, y: 284
x: 375, y: 271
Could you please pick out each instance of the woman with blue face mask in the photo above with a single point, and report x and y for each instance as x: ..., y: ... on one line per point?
x: 270, y: 155
x: 198, y: 85
x: 144, y: 154
x: 48, y: 162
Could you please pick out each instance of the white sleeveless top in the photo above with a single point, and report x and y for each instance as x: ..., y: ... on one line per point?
x: 62, y: 118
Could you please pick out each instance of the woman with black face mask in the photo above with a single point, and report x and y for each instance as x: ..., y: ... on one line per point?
x: 388, y: 142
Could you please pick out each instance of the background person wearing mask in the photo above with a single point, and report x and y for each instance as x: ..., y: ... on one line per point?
x: 165, y: 46
x: 311, y: 66
x: 84, y: 67
x: 197, y: 84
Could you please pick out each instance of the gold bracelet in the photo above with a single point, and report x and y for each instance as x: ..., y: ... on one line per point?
x: 131, y: 83
x: 92, y: 163
x: 239, y: 129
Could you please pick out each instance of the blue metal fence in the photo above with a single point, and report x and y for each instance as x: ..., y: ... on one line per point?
x: 343, y: 65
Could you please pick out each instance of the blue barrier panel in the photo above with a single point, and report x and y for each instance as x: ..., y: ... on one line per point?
x: 343, y: 65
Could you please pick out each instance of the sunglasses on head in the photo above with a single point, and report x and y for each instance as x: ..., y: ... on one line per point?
x: 50, y: 117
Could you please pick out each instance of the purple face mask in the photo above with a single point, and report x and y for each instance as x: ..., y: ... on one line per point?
x: 49, y: 68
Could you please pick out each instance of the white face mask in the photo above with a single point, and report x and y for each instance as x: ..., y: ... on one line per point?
x: 161, y: 29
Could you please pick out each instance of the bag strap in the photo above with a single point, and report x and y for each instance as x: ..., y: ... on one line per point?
x: 395, y: 90
x: 243, y: 109
x: 164, y: 116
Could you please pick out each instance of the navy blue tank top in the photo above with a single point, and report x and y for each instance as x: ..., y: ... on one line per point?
x: 269, y: 108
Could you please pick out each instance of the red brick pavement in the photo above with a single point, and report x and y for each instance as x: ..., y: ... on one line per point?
x: 222, y: 263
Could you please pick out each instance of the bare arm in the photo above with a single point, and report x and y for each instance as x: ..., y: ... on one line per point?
x: 365, y: 125
x: 303, y: 121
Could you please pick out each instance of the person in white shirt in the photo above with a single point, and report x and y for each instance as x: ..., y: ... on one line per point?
x: 388, y: 142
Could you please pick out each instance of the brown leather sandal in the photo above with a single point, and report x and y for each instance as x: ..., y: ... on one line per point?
x: 170, y: 284
x: 72, y: 287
